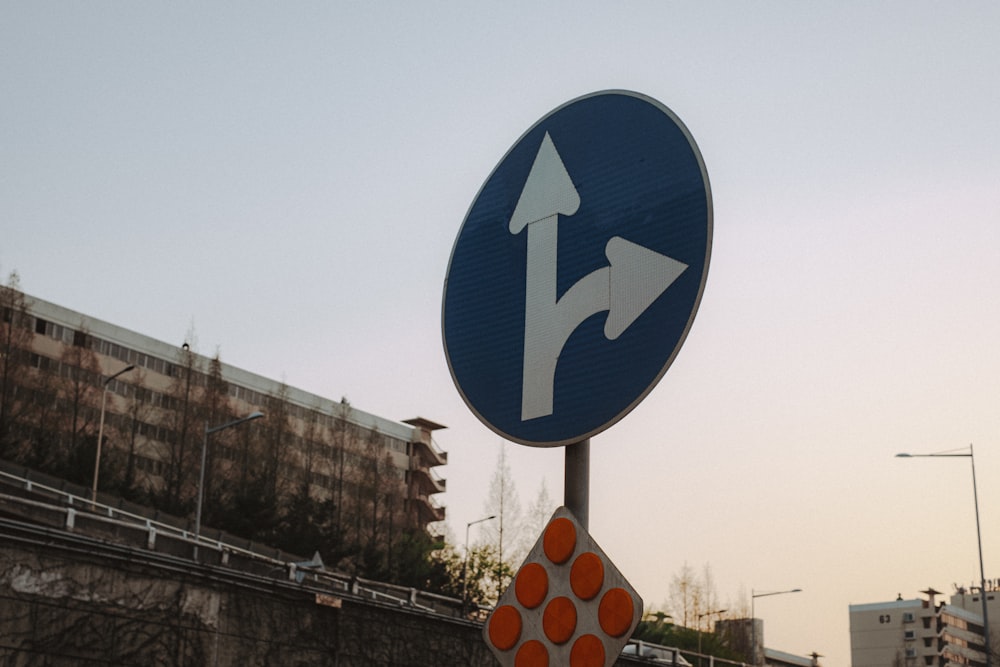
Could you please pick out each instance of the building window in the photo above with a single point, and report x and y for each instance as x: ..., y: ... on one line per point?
x: 909, y: 635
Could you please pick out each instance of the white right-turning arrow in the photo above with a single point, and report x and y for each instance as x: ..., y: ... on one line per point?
x: 635, y: 278
x: 638, y: 277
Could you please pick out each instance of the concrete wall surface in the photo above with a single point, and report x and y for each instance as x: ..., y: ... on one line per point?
x: 67, y: 601
x: 60, y: 607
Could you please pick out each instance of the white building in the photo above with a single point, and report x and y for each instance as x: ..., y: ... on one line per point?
x: 323, y: 442
x: 919, y: 632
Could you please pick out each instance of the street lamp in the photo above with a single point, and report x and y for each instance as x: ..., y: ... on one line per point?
x: 465, y: 563
x: 753, y: 614
x: 701, y: 616
x: 959, y: 453
x: 201, y: 474
x: 100, y: 433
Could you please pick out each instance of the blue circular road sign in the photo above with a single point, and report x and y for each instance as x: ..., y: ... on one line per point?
x: 578, y: 270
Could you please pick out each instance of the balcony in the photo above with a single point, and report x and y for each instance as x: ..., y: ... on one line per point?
x: 427, y: 481
x: 423, y: 442
x: 428, y: 510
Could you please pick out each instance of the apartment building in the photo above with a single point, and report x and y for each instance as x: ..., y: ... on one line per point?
x: 57, y: 365
x: 918, y: 632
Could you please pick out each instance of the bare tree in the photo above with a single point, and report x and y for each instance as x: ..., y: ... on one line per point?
x: 310, y: 451
x: 365, y: 489
x: 503, y: 501
x: 380, y: 494
x: 693, y: 597
x: 539, y: 513
x: 183, y: 395
x: 371, y: 483
x: 15, y: 362
x: 217, y: 409
x: 80, y: 382
x: 344, y: 451
x: 277, y: 436
x: 709, y: 601
x: 138, y: 412
x: 41, y: 444
x: 395, y: 514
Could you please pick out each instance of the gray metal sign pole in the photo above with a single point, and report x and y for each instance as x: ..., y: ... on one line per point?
x: 576, y: 494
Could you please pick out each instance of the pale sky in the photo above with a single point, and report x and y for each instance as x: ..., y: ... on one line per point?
x: 289, y: 178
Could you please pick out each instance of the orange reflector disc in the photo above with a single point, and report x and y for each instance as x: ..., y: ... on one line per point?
x: 615, y: 612
x: 559, y: 620
x: 531, y: 585
x: 560, y: 540
x: 587, y: 651
x: 532, y: 654
x: 587, y: 575
x: 505, y: 627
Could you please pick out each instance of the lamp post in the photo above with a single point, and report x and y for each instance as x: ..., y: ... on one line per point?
x: 100, y: 433
x: 201, y: 473
x: 701, y: 616
x: 753, y: 613
x: 959, y: 453
x: 465, y: 563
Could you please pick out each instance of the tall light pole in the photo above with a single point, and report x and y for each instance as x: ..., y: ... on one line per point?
x: 100, y: 433
x: 465, y: 562
x: 201, y: 474
x: 959, y: 453
x: 753, y: 613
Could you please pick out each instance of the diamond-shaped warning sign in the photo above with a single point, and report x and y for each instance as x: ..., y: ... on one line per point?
x: 568, y: 605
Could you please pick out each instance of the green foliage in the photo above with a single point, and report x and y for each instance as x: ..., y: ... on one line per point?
x: 250, y: 512
x: 479, y: 577
x: 660, y: 630
x: 414, y: 562
x: 304, y: 526
x: 446, y: 571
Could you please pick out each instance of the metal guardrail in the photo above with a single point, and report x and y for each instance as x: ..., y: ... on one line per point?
x: 74, y: 506
x: 658, y: 654
x: 437, y: 448
x: 320, y: 580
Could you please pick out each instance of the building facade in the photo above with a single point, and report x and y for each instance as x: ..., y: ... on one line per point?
x: 746, y: 636
x: 920, y: 632
x: 971, y: 599
x: 57, y: 396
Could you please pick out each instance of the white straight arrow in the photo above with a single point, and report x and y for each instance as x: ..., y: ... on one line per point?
x: 635, y: 278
